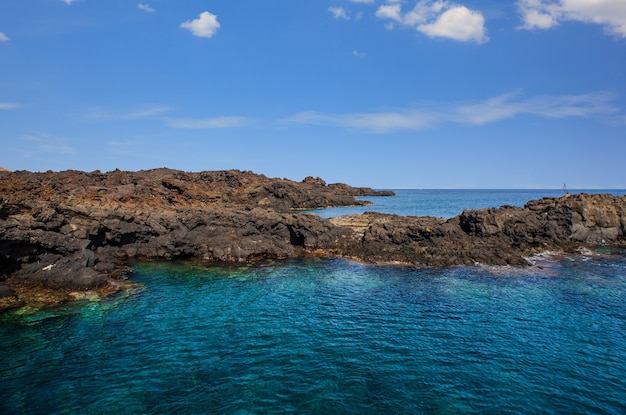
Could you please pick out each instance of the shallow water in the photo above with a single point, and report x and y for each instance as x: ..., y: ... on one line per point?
x: 330, y: 337
x: 448, y: 203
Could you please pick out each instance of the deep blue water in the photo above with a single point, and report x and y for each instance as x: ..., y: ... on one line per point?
x: 449, y: 203
x: 330, y: 337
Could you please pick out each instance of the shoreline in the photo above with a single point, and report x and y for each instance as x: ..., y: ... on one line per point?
x: 75, y: 232
x: 32, y: 299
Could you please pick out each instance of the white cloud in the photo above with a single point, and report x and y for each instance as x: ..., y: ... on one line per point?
x: 339, y: 13
x: 9, y: 106
x: 390, y: 11
x: 204, y: 26
x: 358, y: 53
x: 544, y: 14
x: 492, y: 110
x: 458, y: 23
x: 146, y: 8
x: 425, y: 11
x: 3, y: 37
x: 362, y: 1
x: 438, y: 18
x: 207, y: 123
x: 534, y: 19
x: 70, y: 1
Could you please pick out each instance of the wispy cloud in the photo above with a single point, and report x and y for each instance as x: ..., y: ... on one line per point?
x: 149, y: 112
x: 42, y: 144
x: 208, y: 123
x: 477, y: 113
x: 381, y: 122
x: 3, y: 37
x: 358, y: 53
x: 511, y: 105
x: 146, y: 8
x: 544, y: 14
x: 159, y: 113
x: 339, y: 12
x: 600, y: 105
x: 205, y: 25
x: 437, y: 18
x: 70, y: 1
x: 118, y: 143
x: 9, y: 106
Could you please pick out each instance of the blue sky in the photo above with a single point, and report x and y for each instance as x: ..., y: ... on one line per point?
x: 381, y: 93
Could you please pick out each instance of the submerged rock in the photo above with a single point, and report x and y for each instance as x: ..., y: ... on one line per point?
x: 9, y: 298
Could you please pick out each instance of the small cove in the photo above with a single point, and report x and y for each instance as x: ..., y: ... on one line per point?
x: 333, y: 337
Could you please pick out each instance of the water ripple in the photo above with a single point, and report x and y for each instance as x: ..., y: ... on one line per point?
x: 322, y: 337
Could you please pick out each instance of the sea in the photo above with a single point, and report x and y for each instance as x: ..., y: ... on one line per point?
x: 333, y: 336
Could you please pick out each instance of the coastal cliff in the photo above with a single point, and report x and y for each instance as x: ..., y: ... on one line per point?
x: 69, y: 233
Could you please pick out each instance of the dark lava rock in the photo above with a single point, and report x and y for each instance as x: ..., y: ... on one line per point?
x: 74, y: 231
x: 498, y: 236
x: 6, y: 292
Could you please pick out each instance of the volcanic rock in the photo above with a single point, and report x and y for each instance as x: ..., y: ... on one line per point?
x: 497, y: 236
x: 71, y: 232
x: 74, y: 231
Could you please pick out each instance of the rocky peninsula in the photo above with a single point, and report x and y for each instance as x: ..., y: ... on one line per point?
x: 67, y: 235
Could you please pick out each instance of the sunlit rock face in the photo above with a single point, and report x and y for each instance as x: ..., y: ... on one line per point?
x: 498, y: 236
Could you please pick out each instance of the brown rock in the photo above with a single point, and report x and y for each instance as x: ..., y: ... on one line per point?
x: 74, y: 231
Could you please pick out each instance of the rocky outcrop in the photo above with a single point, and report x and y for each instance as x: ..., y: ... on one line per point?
x: 62, y: 234
x: 73, y: 231
x: 498, y: 236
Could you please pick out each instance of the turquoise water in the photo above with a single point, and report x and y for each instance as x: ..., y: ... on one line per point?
x: 330, y: 337
x: 333, y: 337
x: 449, y: 203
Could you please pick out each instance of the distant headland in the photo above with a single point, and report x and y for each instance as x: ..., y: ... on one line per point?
x: 67, y: 235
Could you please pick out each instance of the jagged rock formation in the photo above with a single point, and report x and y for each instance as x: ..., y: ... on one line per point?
x: 67, y: 232
x: 498, y: 236
x: 73, y: 231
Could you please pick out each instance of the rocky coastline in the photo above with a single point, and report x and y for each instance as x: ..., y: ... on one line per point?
x: 68, y: 235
